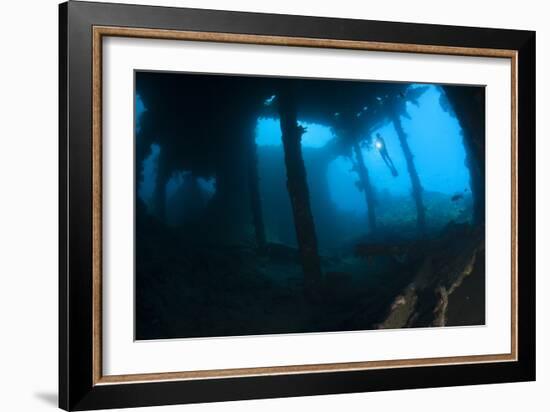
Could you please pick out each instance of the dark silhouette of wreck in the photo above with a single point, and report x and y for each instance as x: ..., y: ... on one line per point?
x: 205, y: 124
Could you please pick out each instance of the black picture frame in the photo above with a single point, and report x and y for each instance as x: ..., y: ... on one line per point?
x: 77, y: 389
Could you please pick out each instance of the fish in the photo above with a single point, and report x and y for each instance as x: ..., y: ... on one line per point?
x: 457, y: 197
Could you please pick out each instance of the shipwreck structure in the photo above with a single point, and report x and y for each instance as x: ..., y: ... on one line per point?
x: 205, y: 125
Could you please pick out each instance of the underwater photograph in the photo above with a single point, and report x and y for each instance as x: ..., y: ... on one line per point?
x: 275, y: 205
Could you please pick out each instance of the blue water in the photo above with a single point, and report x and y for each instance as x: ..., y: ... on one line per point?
x: 268, y: 133
x: 434, y: 137
x: 140, y: 109
x: 146, y: 185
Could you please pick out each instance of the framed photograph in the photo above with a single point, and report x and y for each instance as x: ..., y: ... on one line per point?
x: 257, y: 205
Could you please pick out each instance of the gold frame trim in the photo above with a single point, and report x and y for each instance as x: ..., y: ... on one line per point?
x: 101, y: 31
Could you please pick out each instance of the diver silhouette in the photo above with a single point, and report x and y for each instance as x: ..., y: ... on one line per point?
x: 380, y: 144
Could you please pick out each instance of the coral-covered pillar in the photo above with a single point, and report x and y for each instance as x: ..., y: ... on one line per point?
x: 254, y: 190
x: 298, y: 190
x: 417, y: 189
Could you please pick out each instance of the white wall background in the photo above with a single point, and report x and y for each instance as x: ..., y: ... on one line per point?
x: 28, y: 204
